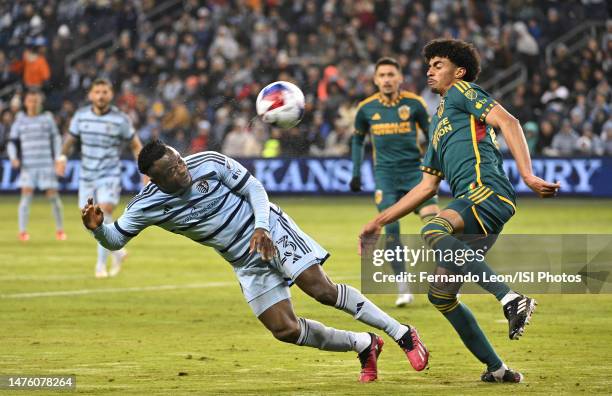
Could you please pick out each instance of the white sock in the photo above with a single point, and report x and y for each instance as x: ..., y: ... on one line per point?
x: 509, y: 297
x: 351, y: 301
x: 316, y: 335
x: 500, y: 371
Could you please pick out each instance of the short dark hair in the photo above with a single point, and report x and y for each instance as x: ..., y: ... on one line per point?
x: 461, y: 53
x: 150, y: 153
x: 101, y: 81
x: 387, y: 60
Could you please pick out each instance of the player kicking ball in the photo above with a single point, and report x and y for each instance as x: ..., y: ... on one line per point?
x: 463, y: 150
x: 213, y: 200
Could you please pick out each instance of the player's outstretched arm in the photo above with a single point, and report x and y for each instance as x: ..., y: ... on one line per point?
x: 427, y: 188
x: 515, y: 138
x: 93, y: 219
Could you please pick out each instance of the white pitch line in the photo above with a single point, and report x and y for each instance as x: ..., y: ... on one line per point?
x: 63, y: 293
x: 11, y: 278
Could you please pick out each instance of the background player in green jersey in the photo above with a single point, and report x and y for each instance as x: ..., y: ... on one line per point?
x: 463, y: 150
x: 391, y: 117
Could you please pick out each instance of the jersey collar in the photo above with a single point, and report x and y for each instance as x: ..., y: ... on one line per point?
x: 388, y: 103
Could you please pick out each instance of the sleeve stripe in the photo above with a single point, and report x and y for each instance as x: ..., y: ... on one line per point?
x: 242, y: 182
x: 124, y: 232
x: 487, y: 110
x: 432, y: 171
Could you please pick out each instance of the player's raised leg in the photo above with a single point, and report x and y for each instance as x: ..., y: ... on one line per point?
x: 462, y: 217
x: 314, y: 282
x: 285, y: 326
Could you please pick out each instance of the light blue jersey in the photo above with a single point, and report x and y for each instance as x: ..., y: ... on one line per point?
x: 210, y: 212
x: 102, y: 138
x: 221, y: 209
x: 38, y: 139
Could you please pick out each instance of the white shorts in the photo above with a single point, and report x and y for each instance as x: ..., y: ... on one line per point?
x: 41, y: 178
x: 106, y: 190
x: 296, y: 253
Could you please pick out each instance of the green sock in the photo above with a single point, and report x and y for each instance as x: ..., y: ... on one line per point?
x: 465, y: 324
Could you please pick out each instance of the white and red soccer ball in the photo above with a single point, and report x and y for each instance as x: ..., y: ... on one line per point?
x: 281, y: 104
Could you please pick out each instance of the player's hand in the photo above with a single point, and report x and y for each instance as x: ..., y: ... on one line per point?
x: 369, y: 235
x: 15, y: 163
x: 92, y: 215
x: 541, y: 187
x: 262, y: 243
x: 60, y: 167
x: 355, y: 184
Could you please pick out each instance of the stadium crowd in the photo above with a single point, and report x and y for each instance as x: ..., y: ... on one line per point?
x: 191, y: 76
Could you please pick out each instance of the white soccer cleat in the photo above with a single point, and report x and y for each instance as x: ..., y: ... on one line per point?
x: 100, y: 274
x: 117, y: 259
x: 404, y: 299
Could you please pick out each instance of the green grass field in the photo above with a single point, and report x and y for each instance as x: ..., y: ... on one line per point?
x: 174, y: 321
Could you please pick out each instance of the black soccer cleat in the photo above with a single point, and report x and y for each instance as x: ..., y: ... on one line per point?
x: 518, y: 312
x: 510, y: 376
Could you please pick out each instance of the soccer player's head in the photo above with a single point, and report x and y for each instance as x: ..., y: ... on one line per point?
x: 101, y: 93
x: 165, y: 166
x: 387, y: 76
x: 33, y: 101
x: 449, y: 61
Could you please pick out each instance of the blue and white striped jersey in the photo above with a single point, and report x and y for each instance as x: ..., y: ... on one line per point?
x: 211, y: 212
x: 101, y: 139
x: 38, y: 138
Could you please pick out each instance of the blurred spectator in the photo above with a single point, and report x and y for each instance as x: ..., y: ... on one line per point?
x: 565, y: 142
x: 34, y: 68
x: 240, y: 141
x: 589, y: 144
x: 200, y: 142
x: 532, y: 135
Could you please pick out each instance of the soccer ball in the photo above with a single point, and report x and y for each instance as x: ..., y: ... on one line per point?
x: 281, y: 104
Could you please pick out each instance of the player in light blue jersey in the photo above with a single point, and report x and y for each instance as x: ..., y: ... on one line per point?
x: 34, y: 148
x: 102, y: 131
x: 213, y: 200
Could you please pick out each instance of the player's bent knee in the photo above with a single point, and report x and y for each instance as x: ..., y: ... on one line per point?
x: 443, y: 302
x: 326, y: 294
x: 435, y: 229
x: 289, y: 333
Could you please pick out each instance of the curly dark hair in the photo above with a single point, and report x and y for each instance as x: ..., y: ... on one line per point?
x: 150, y: 153
x: 459, y: 52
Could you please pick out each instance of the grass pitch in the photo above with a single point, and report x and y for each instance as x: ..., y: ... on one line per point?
x: 174, y: 321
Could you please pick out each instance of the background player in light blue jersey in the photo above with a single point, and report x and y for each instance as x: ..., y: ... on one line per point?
x: 102, y: 131
x: 34, y: 148
x: 213, y: 200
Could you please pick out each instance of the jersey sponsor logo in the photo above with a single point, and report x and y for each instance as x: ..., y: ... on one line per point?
x: 444, y: 126
x: 376, y: 117
x: 202, y: 186
x: 404, y: 112
x: 391, y: 128
x: 471, y: 94
x: 197, y: 213
x: 441, y: 108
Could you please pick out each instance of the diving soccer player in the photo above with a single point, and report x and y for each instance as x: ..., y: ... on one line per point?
x: 102, y: 131
x: 463, y: 150
x: 391, y: 117
x: 213, y: 200
x: 39, y: 142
